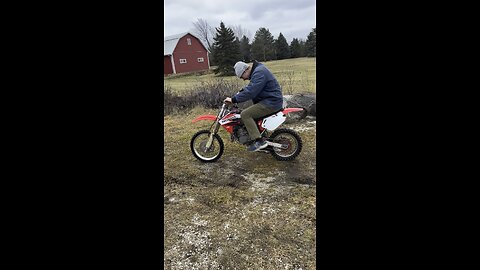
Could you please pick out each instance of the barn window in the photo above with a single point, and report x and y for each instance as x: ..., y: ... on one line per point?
x: 183, y: 61
x: 200, y: 59
x: 189, y: 41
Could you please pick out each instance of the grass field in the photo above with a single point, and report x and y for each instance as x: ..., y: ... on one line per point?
x: 296, y: 75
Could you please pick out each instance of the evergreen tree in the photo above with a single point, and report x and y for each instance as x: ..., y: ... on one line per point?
x: 282, y: 48
x: 245, y: 49
x: 274, y: 49
x: 237, y: 44
x: 311, y: 44
x: 302, y: 48
x: 226, y: 51
x: 295, y: 49
x: 211, y: 59
x: 263, y: 48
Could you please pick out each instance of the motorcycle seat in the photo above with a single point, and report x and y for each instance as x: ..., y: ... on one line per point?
x: 256, y: 119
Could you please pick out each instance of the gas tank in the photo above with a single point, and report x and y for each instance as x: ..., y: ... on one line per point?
x: 274, y: 121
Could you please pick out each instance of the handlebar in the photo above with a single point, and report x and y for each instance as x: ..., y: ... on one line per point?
x: 229, y: 103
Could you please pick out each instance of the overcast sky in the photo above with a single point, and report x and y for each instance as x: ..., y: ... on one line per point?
x: 294, y: 18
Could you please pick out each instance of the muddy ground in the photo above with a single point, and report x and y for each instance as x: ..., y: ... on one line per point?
x: 245, y: 211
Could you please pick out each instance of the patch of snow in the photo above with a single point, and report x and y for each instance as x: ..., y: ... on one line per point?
x: 195, y: 241
x: 199, y: 222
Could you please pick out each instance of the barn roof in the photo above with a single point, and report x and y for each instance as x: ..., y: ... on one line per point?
x: 170, y: 42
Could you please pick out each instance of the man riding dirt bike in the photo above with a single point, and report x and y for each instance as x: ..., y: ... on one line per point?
x: 266, y: 94
x: 284, y: 144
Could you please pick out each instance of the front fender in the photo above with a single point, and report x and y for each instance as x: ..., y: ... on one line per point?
x: 205, y: 117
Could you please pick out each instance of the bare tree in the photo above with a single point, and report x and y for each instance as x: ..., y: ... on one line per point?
x: 239, y: 32
x: 204, y: 32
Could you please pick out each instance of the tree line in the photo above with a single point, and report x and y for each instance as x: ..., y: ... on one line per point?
x: 227, y: 45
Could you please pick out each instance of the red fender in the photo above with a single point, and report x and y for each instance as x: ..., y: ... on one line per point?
x: 205, y: 117
x: 289, y: 110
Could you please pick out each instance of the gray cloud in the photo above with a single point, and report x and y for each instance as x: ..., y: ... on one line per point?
x: 295, y: 19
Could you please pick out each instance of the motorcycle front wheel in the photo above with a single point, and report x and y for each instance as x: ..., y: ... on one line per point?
x: 199, y: 150
x: 290, y: 139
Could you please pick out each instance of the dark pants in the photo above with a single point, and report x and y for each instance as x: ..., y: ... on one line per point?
x: 255, y: 111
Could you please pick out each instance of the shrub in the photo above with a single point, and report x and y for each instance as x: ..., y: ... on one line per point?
x: 207, y: 94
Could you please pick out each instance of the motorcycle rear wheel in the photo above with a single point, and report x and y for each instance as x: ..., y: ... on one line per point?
x: 199, y: 151
x: 288, y: 137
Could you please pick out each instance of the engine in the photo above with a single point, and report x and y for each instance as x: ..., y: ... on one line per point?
x: 241, y: 134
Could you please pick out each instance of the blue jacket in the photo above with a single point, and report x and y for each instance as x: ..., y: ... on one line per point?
x: 263, y: 88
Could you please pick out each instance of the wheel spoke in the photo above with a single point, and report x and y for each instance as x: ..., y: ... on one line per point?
x: 289, y: 138
x: 290, y: 141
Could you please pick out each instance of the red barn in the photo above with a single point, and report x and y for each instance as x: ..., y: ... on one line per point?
x: 184, y: 53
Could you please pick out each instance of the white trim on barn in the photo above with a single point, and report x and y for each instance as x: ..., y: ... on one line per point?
x: 173, y: 64
x: 208, y: 60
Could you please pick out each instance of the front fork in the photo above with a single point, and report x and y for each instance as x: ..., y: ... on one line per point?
x: 215, y: 128
x: 212, y: 133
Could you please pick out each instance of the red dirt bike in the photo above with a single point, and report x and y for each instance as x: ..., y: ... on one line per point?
x: 284, y: 144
